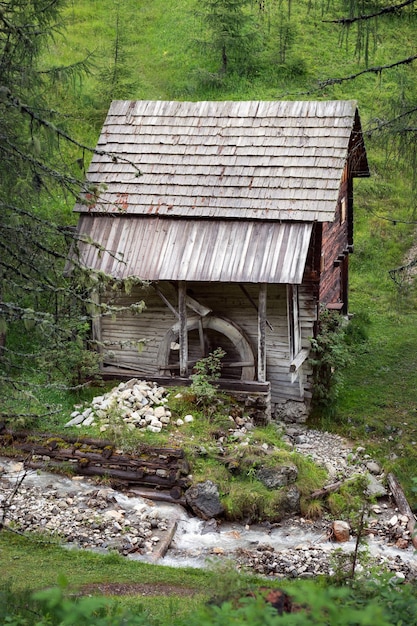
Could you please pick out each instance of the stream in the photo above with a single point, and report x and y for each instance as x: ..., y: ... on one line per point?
x: 295, y: 547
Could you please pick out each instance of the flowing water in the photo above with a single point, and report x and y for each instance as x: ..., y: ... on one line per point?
x: 195, y: 541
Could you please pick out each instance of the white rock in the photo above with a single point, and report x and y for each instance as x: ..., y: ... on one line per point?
x: 89, y: 421
x: 399, y: 577
x: 188, y: 419
x: 165, y: 419
x: 125, y: 394
x: 153, y: 429
x: 159, y: 411
x: 114, y: 515
x: 87, y: 412
x: 179, y: 422
x: 156, y: 422
x: 393, y: 521
x: 78, y: 419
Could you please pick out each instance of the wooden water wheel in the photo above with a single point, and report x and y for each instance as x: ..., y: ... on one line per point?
x: 205, y: 334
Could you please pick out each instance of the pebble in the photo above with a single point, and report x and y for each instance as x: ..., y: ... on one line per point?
x: 88, y: 519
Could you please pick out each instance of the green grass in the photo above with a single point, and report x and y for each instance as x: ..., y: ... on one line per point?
x: 29, y: 565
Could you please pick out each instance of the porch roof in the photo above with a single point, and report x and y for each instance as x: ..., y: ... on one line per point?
x: 155, y: 249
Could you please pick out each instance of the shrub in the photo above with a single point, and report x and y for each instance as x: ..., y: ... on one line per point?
x: 330, y: 356
x: 207, y: 372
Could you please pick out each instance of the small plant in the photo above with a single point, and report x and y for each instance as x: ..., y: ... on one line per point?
x: 207, y: 372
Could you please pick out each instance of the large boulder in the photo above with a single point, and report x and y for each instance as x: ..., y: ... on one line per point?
x: 291, y: 501
x: 204, y: 500
x: 375, y: 489
x: 276, y: 477
x: 291, y: 412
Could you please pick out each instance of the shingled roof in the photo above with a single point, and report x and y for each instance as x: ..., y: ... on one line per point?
x: 227, y: 191
x: 254, y: 160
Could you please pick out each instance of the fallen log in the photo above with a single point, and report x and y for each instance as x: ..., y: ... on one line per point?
x: 403, y: 506
x: 157, y: 495
x: 164, y: 545
x: 66, y: 454
x: 322, y: 493
x: 98, y: 443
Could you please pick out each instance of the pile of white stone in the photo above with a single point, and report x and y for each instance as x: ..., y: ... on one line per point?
x: 136, y: 404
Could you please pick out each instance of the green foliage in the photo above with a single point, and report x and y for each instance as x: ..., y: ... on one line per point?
x: 251, y: 501
x: 330, y: 356
x: 357, y: 330
x: 350, y: 500
x: 206, y: 373
x: 51, y: 607
x: 229, y: 30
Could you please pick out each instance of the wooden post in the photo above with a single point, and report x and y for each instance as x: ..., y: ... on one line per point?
x: 262, y: 333
x: 96, y: 320
x: 183, y: 333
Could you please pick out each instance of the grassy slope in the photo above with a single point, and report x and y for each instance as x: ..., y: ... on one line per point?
x: 30, y: 565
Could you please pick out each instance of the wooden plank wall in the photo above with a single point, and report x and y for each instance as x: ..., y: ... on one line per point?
x: 225, y: 300
x: 335, y: 239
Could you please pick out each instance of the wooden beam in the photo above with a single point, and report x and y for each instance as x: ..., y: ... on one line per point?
x: 403, y: 506
x: 197, y: 307
x: 96, y: 320
x: 299, y: 359
x: 253, y: 303
x: 262, y: 332
x: 166, y: 301
x: 183, y: 332
x: 201, y: 337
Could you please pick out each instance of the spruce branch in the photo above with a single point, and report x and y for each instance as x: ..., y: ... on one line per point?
x: 378, y: 69
x: 392, y: 8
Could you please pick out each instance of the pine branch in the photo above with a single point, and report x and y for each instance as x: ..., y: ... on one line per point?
x: 15, y: 102
x: 380, y: 124
x: 370, y: 70
x: 392, y: 8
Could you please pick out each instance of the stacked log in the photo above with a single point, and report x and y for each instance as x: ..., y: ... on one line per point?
x: 149, y: 467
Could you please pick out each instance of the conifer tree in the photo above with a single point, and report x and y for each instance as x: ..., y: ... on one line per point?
x: 230, y: 33
x: 41, y: 322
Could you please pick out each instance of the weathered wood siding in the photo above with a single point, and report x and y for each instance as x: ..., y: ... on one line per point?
x: 120, y: 334
x: 336, y: 236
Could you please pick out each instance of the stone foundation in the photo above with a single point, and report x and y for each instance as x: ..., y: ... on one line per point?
x: 257, y: 405
x: 291, y: 412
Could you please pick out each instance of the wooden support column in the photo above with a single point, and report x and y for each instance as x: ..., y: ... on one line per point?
x: 96, y: 320
x: 183, y: 333
x: 262, y: 333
